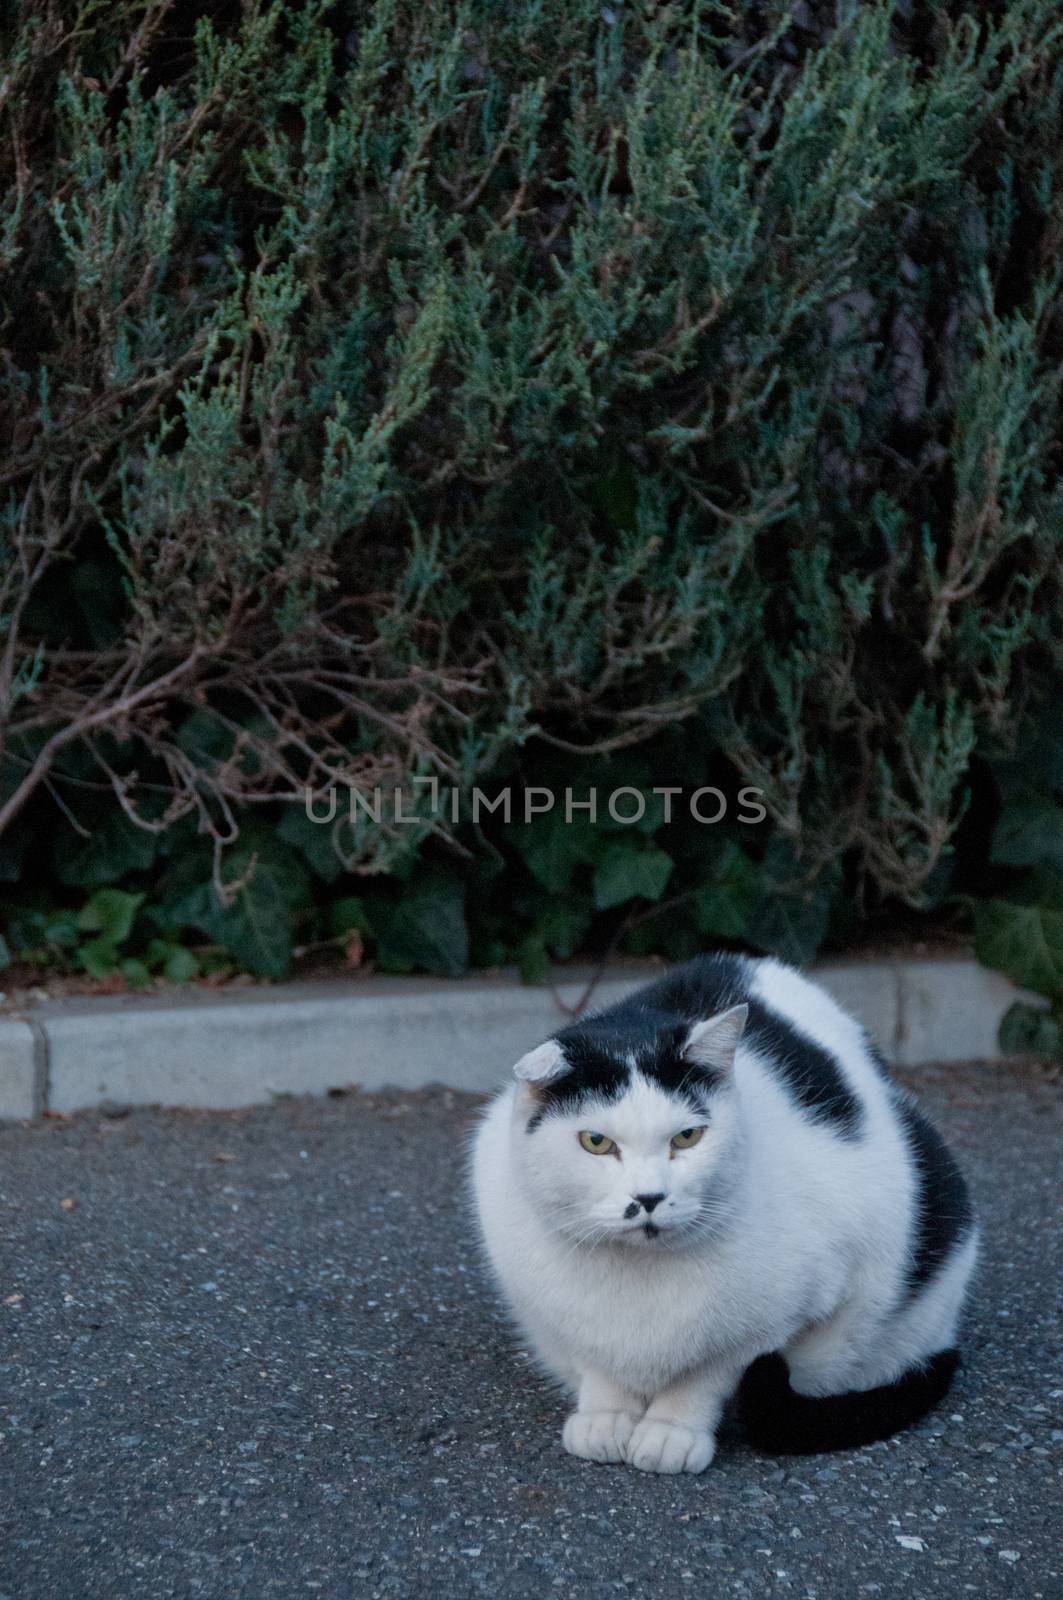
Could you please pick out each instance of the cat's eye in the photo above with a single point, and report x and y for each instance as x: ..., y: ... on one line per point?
x: 598, y: 1144
x: 688, y: 1137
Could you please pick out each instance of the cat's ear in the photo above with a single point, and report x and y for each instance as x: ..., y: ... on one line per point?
x: 545, y: 1062
x: 713, y: 1043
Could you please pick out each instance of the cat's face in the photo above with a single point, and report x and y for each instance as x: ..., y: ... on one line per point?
x: 630, y: 1148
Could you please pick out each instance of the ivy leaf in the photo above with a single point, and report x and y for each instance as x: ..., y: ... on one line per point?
x: 533, y: 961
x: 426, y: 930
x: 211, y: 741
x: 1024, y: 939
x: 349, y: 915
x: 214, y: 964
x: 553, y: 848
x: 790, y: 920
x: 254, y: 927
x: 561, y: 925
x: 206, y: 737
x: 312, y: 839
x: 180, y: 966
x: 175, y: 961
x: 98, y: 957
x: 558, y: 928
x: 60, y: 929
x: 110, y: 912
x: 1031, y: 1030
x: 626, y: 872
x: 41, y: 936
x: 725, y: 906
x: 614, y: 780
x: 269, y: 883
x: 1029, y: 833
x: 115, y: 848
x: 1039, y: 763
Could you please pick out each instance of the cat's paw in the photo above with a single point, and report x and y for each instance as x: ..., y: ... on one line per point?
x: 657, y: 1446
x: 598, y: 1435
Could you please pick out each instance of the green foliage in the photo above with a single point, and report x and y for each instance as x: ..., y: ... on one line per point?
x: 725, y: 907
x: 425, y: 929
x: 248, y: 911
x: 107, y: 854
x: 1019, y: 927
x: 627, y: 872
x: 396, y: 392
x: 107, y: 937
x: 1025, y: 938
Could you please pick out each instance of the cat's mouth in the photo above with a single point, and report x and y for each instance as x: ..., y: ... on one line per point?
x: 647, y: 1235
x: 647, y: 1230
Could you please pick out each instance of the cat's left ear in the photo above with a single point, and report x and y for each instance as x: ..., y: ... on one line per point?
x: 713, y: 1043
x: 540, y: 1065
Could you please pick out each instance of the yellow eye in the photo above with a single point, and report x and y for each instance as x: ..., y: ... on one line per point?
x: 688, y: 1137
x: 597, y: 1143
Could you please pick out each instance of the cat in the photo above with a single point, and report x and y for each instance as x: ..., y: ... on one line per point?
x: 713, y: 1188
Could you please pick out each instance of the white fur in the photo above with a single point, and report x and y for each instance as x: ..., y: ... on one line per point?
x: 776, y: 1234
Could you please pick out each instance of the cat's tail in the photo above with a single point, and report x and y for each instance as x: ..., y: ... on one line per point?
x: 782, y: 1422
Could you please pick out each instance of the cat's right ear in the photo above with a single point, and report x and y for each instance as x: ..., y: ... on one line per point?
x: 712, y: 1044
x: 541, y: 1065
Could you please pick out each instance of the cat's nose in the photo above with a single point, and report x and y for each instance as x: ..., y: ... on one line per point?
x: 649, y: 1201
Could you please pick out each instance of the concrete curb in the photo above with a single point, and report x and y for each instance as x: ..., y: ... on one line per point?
x: 229, y: 1048
x: 22, y: 1078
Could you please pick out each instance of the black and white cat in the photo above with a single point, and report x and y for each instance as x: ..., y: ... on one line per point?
x: 715, y: 1187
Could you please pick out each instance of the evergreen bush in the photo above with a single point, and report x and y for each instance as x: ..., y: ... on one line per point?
x: 484, y: 392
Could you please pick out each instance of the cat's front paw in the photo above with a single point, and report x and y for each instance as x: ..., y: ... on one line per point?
x: 598, y: 1435
x: 657, y: 1446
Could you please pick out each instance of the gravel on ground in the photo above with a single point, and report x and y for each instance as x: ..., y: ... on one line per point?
x: 256, y: 1354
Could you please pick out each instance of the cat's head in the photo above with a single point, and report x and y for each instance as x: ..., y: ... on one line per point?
x: 628, y: 1138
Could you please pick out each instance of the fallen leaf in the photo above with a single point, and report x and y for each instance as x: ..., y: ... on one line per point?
x: 223, y: 1155
x: 68, y: 1204
x: 910, y: 1541
x: 12, y: 1299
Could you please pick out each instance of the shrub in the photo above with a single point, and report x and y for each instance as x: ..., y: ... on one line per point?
x: 1019, y: 922
x: 395, y: 392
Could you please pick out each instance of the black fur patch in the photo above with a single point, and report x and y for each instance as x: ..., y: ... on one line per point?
x: 781, y: 1422
x: 942, y: 1206
x: 653, y: 1025
x: 598, y: 1052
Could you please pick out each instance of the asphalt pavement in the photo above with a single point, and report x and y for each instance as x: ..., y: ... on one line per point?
x: 255, y: 1354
